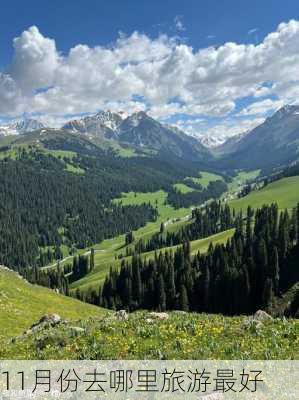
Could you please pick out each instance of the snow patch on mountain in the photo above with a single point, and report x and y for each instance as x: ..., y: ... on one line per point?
x: 104, y: 124
x: 20, y: 127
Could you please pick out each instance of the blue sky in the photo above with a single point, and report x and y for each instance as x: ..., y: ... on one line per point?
x: 43, y: 72
x: 95, y: 22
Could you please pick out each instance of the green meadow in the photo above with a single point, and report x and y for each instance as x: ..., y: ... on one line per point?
x: 206, y: 177
x: 284, y: 192
x: 181, y: 187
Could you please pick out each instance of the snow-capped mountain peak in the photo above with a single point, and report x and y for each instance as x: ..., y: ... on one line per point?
x: 104, y: 123
x: 20, y: 127
x: 109, y: 119
x: 286, y: 111
x: 28, y: 125
x: 135, y: 119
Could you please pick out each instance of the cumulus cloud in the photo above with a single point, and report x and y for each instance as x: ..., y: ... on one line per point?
x: 161, y: 75
x: 35, y: 60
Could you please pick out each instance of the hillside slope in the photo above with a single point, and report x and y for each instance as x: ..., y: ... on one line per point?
x: 22, y: 304
x: 284, y: 192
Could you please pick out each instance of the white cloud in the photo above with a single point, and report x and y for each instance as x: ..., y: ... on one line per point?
x: 54, y: 121
x: 230, y: 127
x: 35, y: 60
x: 262, y: 107
x: 218, y: 133
x: 11, y: 100
x: 262, y: 91
x: 162, y: 75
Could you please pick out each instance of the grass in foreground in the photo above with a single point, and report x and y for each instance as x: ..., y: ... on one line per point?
x: 22, y: 304
x: 182, y: 336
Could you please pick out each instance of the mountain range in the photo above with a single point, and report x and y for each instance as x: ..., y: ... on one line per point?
x: 111, y: 125
x: 273, y: 143
x: 140, y: 131
x: 20, y: 127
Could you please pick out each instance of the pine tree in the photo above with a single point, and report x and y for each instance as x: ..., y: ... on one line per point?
x: 183, y: 299
x: 161, y: 294
x: 283, y: 235
x: 268, y: 295
x: 91, y: 261
x: 129, y: 238
x: 136, y: 281
x: 274, y: 269
x: 171, y: 290
x: 250, y: 214
x: 128, y: 292
x: 206, y: 288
